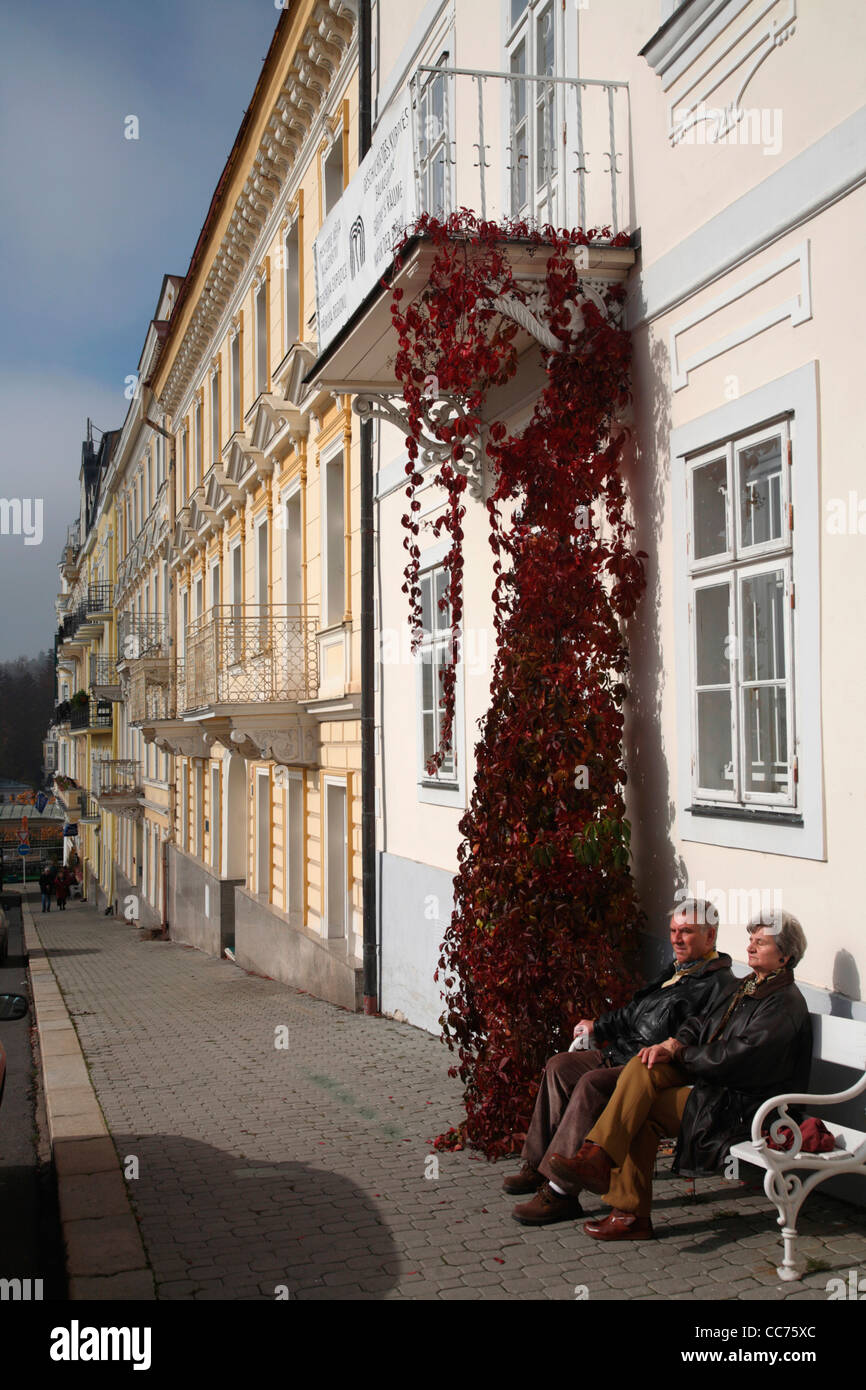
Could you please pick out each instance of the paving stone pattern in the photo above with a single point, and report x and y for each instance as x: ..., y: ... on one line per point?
x: 302, y: 1171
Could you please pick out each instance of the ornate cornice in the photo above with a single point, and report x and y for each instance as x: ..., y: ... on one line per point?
x: 316, y: 62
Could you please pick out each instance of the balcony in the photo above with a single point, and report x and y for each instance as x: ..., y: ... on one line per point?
x: 93, y: 717
x: 62, y: 712
x: 138, y: 638
x: 89, y: 813
x: 68, y: 795
x: 539, y: 148
x: 96, y: 609
x: 250, y: 654
x: 149, y: 697
x: 104, y: 680
x: 118, y: 785
x: 507, y: 146
x: 70, y: 551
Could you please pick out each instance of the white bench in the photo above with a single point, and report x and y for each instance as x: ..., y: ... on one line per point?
x: 790, y: 1174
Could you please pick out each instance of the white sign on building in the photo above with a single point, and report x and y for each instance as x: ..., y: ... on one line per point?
x: 355, y: 245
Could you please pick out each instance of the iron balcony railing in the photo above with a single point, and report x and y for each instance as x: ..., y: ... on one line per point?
x: 99, y: 598
x: 96, y: 714
x: 249, y: 653
x: 150, y: 696
x: 89, y: 811
x: 140, y: 637
x: 534, y: 146
x: 62, y: 712
x: 103, y: 670
x: 118, y: 777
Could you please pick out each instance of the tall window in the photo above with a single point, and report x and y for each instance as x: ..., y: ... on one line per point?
x: 740, y: 618
x: 215, y: 417
x: 434, y: 656
x: 215, y: 585
x: 434, y: 123
x: 184, y: 465
x: 199, y: 450
x: 535, y: 108
x: 215, y: 819
x: 236, y: 382
x: 237, y: 603
x: 332, y: 175
x: 334, y: 557
x: 291, y: 286
x: 262, y: 338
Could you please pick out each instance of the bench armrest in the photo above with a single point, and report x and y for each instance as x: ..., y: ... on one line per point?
x: 785, y: 1121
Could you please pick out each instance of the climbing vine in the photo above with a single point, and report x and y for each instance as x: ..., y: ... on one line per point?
x: 545, y: 912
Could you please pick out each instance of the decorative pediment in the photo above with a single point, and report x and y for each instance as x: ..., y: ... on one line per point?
x: 262, y: 424
x: 238, y: 464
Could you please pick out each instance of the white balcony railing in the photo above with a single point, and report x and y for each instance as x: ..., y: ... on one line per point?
x: 540, y: 148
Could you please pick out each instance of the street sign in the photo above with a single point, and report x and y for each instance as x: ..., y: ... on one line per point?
x: 24, y: 849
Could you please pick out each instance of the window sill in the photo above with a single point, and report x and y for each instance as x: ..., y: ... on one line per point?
x: 759, y: 817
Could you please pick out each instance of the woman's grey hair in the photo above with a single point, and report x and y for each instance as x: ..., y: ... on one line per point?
x: 698, y: 911
x: 790, y: 937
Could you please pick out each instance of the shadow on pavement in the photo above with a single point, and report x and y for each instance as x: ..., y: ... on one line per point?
x: 218, y: 1226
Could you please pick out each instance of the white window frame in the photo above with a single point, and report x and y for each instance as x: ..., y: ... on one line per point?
x: 336, y: 139
x: 341, y: 782
x: 236, y: 374
x: 776, y: 829
x: 326, y: 459
x: 289, y: 494
x: 263, y: 774
x: 260, y: 333
x: 439, y: 791
x: 524, y: 31
x: 292, y: 323
x: 295, y: 778
x: 215, y: 388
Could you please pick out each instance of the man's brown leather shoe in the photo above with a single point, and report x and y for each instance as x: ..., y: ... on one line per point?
x: 620, y: 1225
x: 547, y: 1206
x: 590, y: 1168
x: 527, y: 1180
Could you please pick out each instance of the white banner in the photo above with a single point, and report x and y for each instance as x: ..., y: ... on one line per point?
x: 356, y: 242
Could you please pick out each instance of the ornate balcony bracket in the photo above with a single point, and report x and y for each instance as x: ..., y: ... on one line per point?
x: 294, y: 741
x: 389, y: 406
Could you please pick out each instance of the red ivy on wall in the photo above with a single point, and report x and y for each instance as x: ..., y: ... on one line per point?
x: 545, y: 911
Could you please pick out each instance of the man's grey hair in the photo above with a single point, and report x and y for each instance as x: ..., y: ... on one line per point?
x: 698, y: 911
x: 790, y: 937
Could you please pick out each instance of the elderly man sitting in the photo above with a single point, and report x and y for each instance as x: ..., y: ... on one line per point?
x: 703, y: 1084
x: 576, y: 1086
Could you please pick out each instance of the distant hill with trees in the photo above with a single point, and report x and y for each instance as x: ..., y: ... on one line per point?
x: 27, y: 693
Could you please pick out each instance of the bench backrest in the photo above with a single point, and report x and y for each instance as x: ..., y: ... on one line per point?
x: 839, y: 1040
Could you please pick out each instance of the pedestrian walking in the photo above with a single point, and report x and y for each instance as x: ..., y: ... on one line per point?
x: 61, y: 888
x: 46, y: 886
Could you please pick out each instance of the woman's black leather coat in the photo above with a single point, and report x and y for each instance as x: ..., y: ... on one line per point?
x: 764, y: 1050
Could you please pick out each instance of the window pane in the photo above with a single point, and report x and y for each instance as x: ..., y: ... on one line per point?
x: 711, y: 635
x: 766, y: 719
x: 714, y: 740
x: 429, y: 738
x: 426, y: 602
x: 760, y: 474
x: 544, y: 42
x: 517, y: 9
x: 710, y: 502
x: 762, y: 624
x: 441, y: 616
x: 427, y: 680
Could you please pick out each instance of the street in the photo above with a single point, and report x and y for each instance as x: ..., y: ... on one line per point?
x: 275, y: 1146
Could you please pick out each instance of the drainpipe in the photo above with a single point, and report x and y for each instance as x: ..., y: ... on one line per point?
x: 368, y: 644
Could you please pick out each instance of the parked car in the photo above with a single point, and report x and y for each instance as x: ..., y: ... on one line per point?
x: 12, y: 1006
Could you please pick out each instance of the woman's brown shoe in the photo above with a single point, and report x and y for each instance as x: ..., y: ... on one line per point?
x: 527, y: 1180
x: 547, y: 1206
x: 620, y: 1225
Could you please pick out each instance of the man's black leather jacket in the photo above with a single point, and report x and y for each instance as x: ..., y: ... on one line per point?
x: 655, y: 1013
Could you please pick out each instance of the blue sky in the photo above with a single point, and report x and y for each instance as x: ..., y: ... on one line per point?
x: 90, y: 223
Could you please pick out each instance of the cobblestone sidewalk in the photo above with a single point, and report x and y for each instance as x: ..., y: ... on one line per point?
x: 306, y: 1170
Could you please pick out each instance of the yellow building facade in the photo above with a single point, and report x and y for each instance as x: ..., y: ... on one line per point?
x: 255, y: 693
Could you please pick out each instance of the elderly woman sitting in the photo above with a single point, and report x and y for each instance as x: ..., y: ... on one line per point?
x: 703, y: 1085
